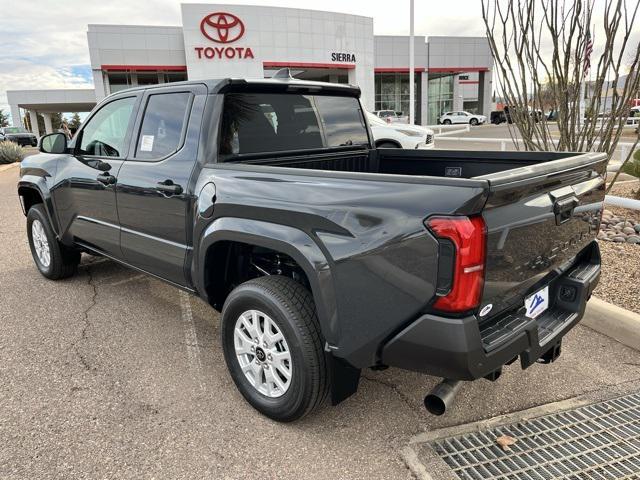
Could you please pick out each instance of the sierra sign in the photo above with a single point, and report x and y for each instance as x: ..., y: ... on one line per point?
x: 223, y: 28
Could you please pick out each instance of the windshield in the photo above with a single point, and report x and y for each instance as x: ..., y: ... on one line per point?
x: 274, y: 122
x: 15, y: 130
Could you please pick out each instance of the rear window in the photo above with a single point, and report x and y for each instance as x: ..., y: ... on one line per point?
x: 276, y: 122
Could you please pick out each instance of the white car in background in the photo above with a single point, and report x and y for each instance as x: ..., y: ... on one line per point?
x: 462, y: 117
x: 398, y: 135
x: 391, y: 116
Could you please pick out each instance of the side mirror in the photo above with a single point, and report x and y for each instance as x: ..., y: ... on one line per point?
x: 53, y: 143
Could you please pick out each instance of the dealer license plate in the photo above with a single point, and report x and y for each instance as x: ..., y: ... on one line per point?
x: 537, y: 303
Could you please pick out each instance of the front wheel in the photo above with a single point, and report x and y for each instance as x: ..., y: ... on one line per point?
x: 388, y: 145
x: 53, y: 259
x: 273, y: 347
x: 473, y: 122
x: 447, y: 122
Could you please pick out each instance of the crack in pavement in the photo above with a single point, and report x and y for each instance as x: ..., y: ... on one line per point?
x: 83, y: 335
x: 405, y: 398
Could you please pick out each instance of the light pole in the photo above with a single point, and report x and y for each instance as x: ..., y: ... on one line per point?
x: 411, y: 67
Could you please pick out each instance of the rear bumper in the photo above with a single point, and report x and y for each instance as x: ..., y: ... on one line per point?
x: 462, y: 349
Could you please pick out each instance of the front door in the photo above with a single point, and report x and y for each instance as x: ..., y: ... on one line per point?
x: 85, y: 199
x: 154, y: 196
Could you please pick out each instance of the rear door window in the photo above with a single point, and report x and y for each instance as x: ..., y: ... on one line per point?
x: 162, y: 125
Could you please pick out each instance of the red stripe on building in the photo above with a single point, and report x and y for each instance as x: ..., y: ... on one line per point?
x: 398, y: 69
x: 457, y: 69
x: 345, y: 66
x: 146, y: 68
x: 469, y: 82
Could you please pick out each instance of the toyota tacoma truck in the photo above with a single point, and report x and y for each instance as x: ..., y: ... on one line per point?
x: 324, y: 255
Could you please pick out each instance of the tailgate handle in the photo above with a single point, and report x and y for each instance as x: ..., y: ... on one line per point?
x: 563, y: 208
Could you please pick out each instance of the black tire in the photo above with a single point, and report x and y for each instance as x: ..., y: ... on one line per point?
x: 63, y: 260
x: 388, y: 145
x: 290, y: 306
x: 473, y: 121
x: 446, y: 122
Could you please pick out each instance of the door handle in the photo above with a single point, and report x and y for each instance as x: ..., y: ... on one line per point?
x: 106, y: 179
x: 169, y: 188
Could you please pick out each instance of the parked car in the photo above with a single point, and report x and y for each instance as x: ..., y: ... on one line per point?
x: 397, y: 135
x: 462, y: 117
x: 391, y: 116
x: 19, y: 135
x: 498, y: 117
x: 2, y: 137
x: 325, y: 255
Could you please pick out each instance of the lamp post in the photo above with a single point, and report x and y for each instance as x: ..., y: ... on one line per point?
x: 411, y: 67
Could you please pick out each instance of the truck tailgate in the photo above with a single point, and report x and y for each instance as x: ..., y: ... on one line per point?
x: 538, y: 219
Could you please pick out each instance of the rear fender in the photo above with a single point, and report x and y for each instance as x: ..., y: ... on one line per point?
x: 288, y: 240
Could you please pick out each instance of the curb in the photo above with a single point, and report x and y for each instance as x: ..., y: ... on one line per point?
x: 615, y: 322
x: 9, y: 166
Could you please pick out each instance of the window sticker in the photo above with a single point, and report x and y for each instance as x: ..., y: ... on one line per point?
x: 147, y: 143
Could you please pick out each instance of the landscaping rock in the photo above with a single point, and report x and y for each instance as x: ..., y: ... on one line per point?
x: 628, y: 230
x: 619, y: 239
x: 633, y: 239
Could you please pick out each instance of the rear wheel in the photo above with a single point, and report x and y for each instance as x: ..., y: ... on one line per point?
x: 473, y: 121
x: 447, y: 122
x: 54, y: 260
x: 273, y: 347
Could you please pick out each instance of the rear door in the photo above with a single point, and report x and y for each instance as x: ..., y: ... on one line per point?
x: 85, y: 196
x: 538, y: 219
x: 154, y: 191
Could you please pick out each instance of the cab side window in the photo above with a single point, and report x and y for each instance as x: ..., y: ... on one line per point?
x: 105, y: 133
x: 164, y: 120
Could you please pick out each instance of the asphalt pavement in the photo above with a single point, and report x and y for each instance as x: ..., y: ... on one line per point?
x: 113, y: 374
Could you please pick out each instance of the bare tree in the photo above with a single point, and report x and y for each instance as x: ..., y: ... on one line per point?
x: 542, y: 52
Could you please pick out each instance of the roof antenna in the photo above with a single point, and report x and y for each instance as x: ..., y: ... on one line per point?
x: 283, y: 74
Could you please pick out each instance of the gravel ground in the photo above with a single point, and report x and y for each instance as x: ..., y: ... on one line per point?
x: 621, y: 261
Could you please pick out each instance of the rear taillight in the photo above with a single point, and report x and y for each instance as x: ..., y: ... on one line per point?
x: 467, y: 238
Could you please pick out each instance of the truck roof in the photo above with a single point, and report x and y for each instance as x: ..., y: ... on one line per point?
x: 224, y: 84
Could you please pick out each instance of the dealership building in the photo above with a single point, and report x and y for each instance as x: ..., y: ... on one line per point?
x: 217, y: 41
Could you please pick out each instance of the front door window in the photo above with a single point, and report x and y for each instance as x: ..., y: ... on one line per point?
x: 105, y: 133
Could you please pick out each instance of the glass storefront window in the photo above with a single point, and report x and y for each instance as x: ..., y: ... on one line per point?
x: 392, y: 92
x: 150, y: 78
x: 119, y: 81
x: 440, y: 97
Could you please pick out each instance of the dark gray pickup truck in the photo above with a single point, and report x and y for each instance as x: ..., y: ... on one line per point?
x: 325, y: 255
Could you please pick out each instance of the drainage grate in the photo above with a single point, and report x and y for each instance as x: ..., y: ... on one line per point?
x: 599, y: 441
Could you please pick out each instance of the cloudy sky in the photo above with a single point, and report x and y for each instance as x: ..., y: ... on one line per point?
x: 43, y: 44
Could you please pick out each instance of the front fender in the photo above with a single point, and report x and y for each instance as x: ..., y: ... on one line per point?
x: 288, y: 240
x: 38, y: 184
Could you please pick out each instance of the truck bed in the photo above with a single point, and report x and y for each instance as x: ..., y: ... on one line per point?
x: 431, y: 163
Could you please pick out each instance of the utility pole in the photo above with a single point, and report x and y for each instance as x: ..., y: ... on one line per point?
x: 412, y: 93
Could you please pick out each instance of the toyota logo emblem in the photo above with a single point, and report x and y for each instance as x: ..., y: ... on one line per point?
x: 222, y: 27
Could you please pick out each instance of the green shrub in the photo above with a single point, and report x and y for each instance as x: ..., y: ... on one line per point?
x: 11, y: 152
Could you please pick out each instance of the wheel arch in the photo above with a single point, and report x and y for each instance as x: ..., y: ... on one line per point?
x: 286, y: 240
x: 32, y: 193
x: 388, y: 140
